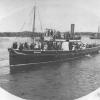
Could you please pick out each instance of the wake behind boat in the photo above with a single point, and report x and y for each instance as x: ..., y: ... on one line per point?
x: 50, y: 46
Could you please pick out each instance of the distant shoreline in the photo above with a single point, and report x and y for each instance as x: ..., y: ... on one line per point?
x: 17, y: 34
x: 30, y: 34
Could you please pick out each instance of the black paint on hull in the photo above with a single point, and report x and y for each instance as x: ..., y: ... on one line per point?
x: 19, y: 59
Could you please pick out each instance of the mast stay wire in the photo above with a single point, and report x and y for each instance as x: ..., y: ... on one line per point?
x: 41, y: 27
x: 31, y: 12
x: 23, y: 25
x: 40, y: 21
x: 25, y: 21
x: 17, y: 38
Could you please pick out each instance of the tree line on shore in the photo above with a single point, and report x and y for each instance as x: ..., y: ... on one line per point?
x: 30, y: 34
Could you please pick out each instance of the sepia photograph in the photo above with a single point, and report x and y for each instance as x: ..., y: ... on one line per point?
x: 49, y: 49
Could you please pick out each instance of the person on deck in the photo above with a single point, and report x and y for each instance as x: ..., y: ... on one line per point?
x: 21, y: 47
x: 32, y: 46
x: 42, y: 46
x: 26, y: 46
x: 15, y: 45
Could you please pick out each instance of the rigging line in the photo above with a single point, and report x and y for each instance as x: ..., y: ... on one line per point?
x: 26, y: 19
x: 31, y: 13
x: 22, y: 26
x: 39, y: 15
x: 40, y: 21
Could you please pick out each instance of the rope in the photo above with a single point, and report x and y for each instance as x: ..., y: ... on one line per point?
x: 22, y: 26
x: 40, y: 21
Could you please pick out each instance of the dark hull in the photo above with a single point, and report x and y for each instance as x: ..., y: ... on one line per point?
x: 18, y: 58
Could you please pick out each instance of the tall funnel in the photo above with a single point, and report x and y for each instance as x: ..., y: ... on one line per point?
x: 72, y: 28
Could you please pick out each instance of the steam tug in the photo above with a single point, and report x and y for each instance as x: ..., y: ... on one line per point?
x: 50, y: 46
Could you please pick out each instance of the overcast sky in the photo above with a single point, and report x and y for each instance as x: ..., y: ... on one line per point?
x: 56, y: 14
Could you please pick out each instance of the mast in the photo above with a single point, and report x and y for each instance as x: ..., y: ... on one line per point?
x: 33, y: 30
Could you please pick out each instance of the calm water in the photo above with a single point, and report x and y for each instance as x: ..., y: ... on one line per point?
x: 56, y: 81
